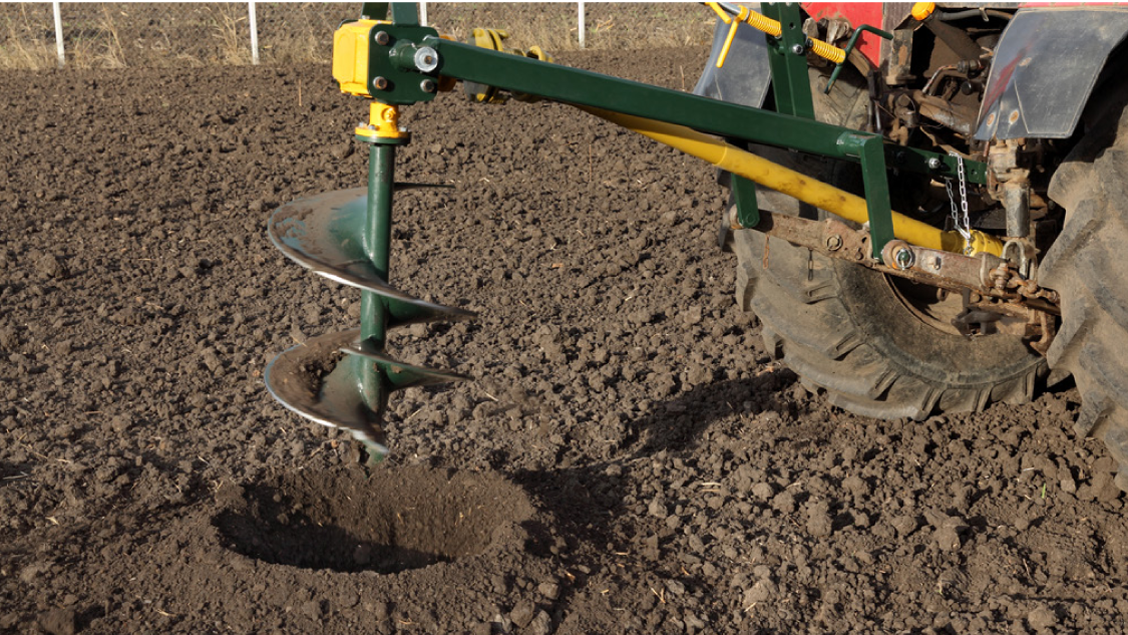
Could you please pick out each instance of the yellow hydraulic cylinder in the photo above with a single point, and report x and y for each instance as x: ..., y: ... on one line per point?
x: 806, y: 189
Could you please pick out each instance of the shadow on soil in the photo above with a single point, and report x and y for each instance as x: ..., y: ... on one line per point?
x: 583, y: 498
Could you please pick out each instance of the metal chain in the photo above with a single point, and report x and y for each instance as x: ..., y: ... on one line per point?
x: 963, y: 225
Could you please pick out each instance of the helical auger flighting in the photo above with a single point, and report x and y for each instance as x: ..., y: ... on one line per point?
x: 344, y: 379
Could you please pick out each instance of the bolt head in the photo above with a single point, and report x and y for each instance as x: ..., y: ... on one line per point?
x: 382, y: 38
x: 427, y: 86
x: 426, y: 59
x: 904, y: 257
x: 379, y: 83
x: 798, y: 49
x: 934, y: 163
x: 834, y: 242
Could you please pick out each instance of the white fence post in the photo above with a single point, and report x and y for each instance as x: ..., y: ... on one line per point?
x: 423, y: 14
x: 59, y: 34
x: 254, y: 32
x: 581, y: 19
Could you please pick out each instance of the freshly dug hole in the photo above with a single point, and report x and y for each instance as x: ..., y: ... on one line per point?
x: 393, y: 520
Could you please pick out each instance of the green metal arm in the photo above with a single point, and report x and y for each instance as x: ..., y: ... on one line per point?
x: 570, y: 85
x: 850, y: 47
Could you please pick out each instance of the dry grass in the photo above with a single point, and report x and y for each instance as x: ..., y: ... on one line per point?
x: 231, y: 29
x: 116, y: 35
x: 108, y: 52
x: 628, y: 26
x: 23, y: 47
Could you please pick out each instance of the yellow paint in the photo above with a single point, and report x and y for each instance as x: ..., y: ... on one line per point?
x: 490, y: 38
x: 773, y: 28
x: 721, y: 13
x: 350, y: 56
x: 796, y: 184
x: 761, y: 22
x: 383, y: 123
x: 828, y: 52
x: 921, y: 10
x: 744, y: 11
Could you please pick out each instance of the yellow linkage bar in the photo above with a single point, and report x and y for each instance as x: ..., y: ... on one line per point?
x: 796, y: 184
x: 772, y: 27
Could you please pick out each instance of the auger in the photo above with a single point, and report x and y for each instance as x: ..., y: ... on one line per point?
x: 889, y: 314
x: 344, y: 379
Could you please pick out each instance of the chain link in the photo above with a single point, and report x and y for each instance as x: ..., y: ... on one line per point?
x: 962, y: 224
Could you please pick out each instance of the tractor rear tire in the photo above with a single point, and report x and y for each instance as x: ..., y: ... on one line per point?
x: 868, y: 342
x: 1086, y: 267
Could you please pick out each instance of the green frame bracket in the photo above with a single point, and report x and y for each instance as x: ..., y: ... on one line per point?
x: 879, y: 206
x: 747, y: 208
x: 519, y: 74
x: 850, y: 48
x: 405, y: 14
x: 374, y: 11
x: 787, y: 58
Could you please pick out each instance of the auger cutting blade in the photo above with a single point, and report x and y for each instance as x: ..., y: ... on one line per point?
x: 311, y: 380
x: 325, y: 233
x: 400, y: 374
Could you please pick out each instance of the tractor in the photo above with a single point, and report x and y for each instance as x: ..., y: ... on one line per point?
x: 922, y: 199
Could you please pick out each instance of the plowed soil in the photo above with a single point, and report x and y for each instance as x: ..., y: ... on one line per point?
x: 628, y: 459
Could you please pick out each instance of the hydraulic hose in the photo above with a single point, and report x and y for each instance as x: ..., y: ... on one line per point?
x: 787, y: 181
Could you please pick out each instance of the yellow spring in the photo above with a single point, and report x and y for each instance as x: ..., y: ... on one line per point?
x: 773, y: 28
x: 828, y: 52
x: 763, y: 23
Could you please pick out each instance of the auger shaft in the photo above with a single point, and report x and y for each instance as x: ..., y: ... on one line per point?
x: 377, y: 246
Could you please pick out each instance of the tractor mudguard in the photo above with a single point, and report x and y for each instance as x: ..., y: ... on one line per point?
x: 745, y: 75
x: 1045, y: 68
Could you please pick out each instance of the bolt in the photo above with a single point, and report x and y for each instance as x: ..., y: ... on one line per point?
x: 934, y: 163
x: 904, y: 258
x: 382, y: 38
x: 379, y: 83
x: 798, y: 49
x: 427, y: 85
x: 834, y: 242
x: 426, y: 59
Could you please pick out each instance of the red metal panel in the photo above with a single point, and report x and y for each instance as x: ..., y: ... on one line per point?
x: 857, y: 14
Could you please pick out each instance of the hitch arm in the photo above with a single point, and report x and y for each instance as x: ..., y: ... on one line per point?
x: 519, y: 74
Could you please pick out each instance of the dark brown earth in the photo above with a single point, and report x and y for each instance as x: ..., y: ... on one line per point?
x: 629, y: 459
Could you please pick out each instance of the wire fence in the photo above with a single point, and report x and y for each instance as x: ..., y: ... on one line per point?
x: 119, y: 35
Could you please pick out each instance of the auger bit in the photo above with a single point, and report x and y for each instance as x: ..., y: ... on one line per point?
x: 344, y: 379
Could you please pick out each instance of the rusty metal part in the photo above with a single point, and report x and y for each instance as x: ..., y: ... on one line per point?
x: 1049, y: 329
x: 943, y: 269
x: 900, y: 61
x: 1006, y: 301
x: 959, y: 118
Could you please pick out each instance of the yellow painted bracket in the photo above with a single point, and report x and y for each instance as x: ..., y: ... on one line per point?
x: 383, y: 123
x: 350, y: 56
